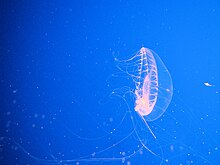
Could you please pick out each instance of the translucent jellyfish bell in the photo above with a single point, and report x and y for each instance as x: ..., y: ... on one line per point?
x: 153, y: 83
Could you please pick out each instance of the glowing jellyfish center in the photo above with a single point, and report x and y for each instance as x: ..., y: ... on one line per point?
x: 146, y: 92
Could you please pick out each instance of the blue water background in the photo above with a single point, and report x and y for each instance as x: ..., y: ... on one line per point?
x: 58, y: 74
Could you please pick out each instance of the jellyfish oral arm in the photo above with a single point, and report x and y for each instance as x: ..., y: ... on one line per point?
x: 146, y: 96
x: 142, y: 105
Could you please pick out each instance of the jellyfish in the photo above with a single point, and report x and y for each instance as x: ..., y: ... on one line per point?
x: 153, y: 83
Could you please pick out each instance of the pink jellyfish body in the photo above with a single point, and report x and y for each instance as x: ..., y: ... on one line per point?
x: 153, y: 83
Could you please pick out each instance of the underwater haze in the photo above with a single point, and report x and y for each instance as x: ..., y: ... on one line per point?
x: 69, y: 93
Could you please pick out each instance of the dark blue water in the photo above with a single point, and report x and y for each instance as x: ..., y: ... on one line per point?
x: 63, y: 100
